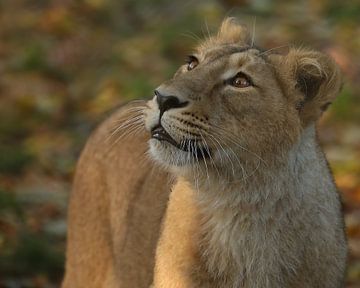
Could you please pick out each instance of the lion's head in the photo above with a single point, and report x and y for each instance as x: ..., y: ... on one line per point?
x: 232, y: 103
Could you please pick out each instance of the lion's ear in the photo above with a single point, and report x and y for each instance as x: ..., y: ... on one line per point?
x: 231, y: 32
x: 317, y: 79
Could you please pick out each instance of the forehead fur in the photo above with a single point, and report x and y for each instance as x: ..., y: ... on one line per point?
x: 230, y: 32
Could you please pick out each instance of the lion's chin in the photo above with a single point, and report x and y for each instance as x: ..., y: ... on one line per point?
x: 169, y: 155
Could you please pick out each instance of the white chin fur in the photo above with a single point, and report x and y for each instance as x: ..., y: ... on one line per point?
x: 168, y: 155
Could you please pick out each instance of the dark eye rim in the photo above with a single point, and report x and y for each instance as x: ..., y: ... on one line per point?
x: 231, y: 80
x: 190, y: 59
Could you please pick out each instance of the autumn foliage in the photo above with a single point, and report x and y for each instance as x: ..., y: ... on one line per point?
x: 65, y: 64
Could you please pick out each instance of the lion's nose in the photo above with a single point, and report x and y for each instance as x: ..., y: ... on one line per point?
x: 167, y: 102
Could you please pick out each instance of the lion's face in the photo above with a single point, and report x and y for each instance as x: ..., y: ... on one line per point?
x: 228, y: 105
x: 225, y: 101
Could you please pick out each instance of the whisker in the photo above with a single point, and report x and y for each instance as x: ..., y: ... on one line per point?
x: 131, y: 131
x: 192, y: 36
x: 236, y: 142
x: 132, y: 112
x: 139, y: 101
x: 188, y: 158
x: 208, y: 151
x: 217, y: 148
x: 207, y: 29
x: 197, y: 166
x: 203, y: 155
x: 134, y: 109
x: 272, y: 49
x: 128, y: 129
x: 226, y: 154
x: 253, y: 33
x: 134, y: 130
x: 239, y: 162
x: 128, y: 123
x: 244, y: 173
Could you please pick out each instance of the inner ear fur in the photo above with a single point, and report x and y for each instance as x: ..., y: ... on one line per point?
x: 317, y: 80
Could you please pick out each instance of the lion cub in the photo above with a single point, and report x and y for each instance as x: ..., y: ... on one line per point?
x: 255, y: 204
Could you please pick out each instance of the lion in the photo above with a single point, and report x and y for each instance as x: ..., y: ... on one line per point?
x: 218, y: 181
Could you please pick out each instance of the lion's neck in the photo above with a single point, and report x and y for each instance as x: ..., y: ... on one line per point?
x: 266, y: 181
x: 241, y: 217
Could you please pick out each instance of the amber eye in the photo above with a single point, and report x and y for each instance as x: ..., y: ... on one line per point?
x: 240, y: 81
x: 192, y: 62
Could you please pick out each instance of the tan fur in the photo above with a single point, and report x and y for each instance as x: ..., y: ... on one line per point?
x: 261, y: 211
x: 172, y: 269
x: 116, y: 207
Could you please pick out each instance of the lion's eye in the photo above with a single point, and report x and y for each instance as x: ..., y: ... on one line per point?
x: 240, y: 81
x: 192, y: 62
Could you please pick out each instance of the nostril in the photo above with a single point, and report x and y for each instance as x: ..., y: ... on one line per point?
x: 168, y: 102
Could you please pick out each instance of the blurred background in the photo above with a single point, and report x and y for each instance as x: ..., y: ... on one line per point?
x: 64, y: 64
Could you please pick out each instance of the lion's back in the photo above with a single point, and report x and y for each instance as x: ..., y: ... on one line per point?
x: 118, y: 200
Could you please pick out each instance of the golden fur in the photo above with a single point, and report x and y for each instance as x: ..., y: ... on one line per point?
x: 116, y: 207
x: 254, y: 204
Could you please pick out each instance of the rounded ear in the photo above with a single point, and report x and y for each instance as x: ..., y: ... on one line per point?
x: 317, y: 78
x: 230, y: 32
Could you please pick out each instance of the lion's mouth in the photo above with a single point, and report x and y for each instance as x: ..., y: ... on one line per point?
x: 160, y: 134
x: 187, y: 145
